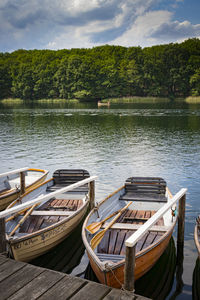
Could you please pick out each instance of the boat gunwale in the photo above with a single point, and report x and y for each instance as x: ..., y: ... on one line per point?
x: 196, y: 239
x: 13, y: 191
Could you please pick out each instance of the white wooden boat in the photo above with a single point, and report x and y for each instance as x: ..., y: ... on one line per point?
x: 46, y: 224
x: 135, y: 203
x: 10, y: 183
x: 197, y: 235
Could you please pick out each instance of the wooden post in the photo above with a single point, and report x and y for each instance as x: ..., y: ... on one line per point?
x: 92, y: 194
x: 2, y: 236
x: 181, y: 220
x: 22, y: 182
x: 180, y: 245
x: 129, y: 269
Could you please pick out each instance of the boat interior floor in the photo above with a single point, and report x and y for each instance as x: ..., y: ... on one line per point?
x: 39, y: 221
x: 112, y: 246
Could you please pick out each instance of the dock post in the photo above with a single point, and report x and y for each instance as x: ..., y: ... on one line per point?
x: 22, y: 182
x: 2, y: 236
x: 180, y: 245
x: 181, y: 220
x: 92, y: 194
x: 129, y: 283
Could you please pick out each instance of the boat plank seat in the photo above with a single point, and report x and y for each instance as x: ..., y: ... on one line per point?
x: 65, y: 177
x: 138, y: 217
x: 110, y: 257
x: 145, y: 189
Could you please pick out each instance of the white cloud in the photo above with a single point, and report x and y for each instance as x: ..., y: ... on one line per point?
x: 82, y: 23
x: 157, y: 27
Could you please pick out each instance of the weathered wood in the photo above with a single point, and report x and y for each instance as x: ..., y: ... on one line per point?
x: 44, y: 281
x: 92, y: 290
x: 9, y: 267
x: 181, y: 220
x: 18, y: 280
x: 22, y: 183
x: 129, y: 269
x: 2, y: 236
x: 64, y: 289
x: 92, y: 194
x: 23, y: 281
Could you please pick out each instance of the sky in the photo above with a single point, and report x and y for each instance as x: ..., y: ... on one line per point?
x: 66, y: 24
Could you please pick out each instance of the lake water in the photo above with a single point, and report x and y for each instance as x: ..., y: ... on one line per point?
x: 113, y: 143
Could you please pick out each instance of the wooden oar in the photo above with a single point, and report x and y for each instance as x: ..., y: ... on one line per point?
x: 98, y: 237
x: 23, y: 219
x: 94, y: 227
x: 16, y: 214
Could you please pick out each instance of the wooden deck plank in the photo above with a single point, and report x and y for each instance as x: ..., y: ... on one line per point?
x: 64, y: 289
x: 28, y: 282
x: 9, y: 267
x: 18, y: 280
x: 92, y: 290
x: 38, y: 285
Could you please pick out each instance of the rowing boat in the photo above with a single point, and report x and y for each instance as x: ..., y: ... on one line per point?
x: 197, y: 235
x: 33, y: 231
x: 10, y: 184
x: 128, y: 208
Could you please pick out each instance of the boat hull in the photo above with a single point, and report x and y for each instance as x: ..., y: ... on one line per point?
x: 143, y: 263
x: 33, y: 245
x: 7, y: 197
x: 197, y: 239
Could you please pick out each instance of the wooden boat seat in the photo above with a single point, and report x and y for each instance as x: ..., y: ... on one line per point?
x: 80, y: 189
x: 111, y: 257
x: 145, y: 189
x: 65, y: 177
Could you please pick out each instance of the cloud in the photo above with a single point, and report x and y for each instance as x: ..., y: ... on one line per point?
x: 157, y: 27
x: 82, y: 23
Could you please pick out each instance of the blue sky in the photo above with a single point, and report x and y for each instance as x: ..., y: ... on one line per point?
x: 50, y: 24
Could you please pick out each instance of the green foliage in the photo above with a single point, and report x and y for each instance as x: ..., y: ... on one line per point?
x: 171, y: 70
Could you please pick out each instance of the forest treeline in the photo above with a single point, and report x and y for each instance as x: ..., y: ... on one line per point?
x: 171, y: 70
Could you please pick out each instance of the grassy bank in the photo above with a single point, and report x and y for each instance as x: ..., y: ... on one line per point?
x: 192, y: 100
x: 189, y: 100
x: 152, y: 100
x: 137, y: 100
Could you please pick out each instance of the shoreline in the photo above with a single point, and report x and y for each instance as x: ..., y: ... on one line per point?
x: 122, y: 100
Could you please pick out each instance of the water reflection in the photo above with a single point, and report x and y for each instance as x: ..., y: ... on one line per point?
x: 196, y: 281
x: 116, y: 143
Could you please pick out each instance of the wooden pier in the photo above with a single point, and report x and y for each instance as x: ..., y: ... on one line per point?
x: 20, y: 280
